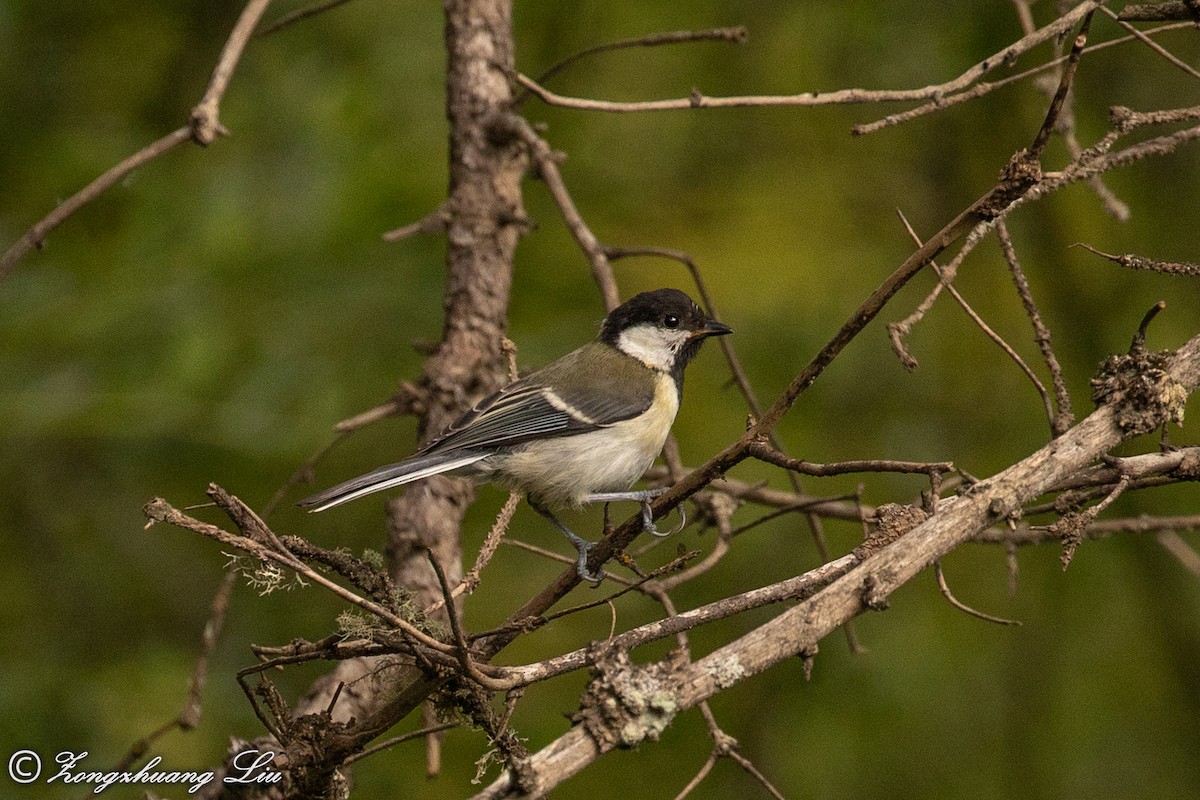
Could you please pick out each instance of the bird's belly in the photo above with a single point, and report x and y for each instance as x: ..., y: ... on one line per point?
x: 563, y: 471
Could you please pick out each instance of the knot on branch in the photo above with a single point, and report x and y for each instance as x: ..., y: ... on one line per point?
x: 1189, y: 467
x: 204, y: 124
x: 311, y: 772
x: 1142, y: 392
x: 892, y: 520
x: 1122, y: 119
x: 626, y: 704
x: 1021, y: 172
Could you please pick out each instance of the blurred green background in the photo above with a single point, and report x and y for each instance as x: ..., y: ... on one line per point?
x: 213, y: 316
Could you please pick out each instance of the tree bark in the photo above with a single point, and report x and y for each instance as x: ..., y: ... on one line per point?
x: 484, y: 224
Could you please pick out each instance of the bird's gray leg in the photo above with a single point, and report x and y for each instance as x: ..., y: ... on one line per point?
x: 582, y: 545
x: 643, y: 496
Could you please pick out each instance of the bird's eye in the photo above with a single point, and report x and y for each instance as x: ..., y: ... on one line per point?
x: 671, y: 321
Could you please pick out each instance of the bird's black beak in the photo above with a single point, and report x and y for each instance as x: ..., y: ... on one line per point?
x: 711, y: 328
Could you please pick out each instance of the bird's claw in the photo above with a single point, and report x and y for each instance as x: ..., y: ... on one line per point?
x: 581, y: 566
x: 648, y: 522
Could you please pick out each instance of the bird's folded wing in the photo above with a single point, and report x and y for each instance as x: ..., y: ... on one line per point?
x: 529, y: 409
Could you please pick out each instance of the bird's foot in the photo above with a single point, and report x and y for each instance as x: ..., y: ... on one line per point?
x: 648, y: 521
x: 643, y: 496
x: 583, y: 546
x: 581, y: 566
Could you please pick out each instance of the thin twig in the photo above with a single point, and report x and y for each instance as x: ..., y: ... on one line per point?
x: 846, y: 96
x: 1182, y: 551
x: 1131, y: 261
x: 1067, y: 128
x: 1063, y: 417
x: 754, y: 772
x: 763, y: 451
x: 987, y: 329
x: 462, y: 649
x: 736, y: 35
x: 804, y: 506
x: 35, y: 236
x: 1153, y: 45
x: 699, y: 777
x: 300, y: 14
x: 547, y: 167
x: 961, y: 606
x: 395, y: 740
x: 206, y: 125
x: 486, y: 551
x: 158, y: 510
x: 1072, y: 525
x: 897, y: 331
x: 203, y: 128
x: 433, y: 222
x: 798, y: 587
x: 1064, y: 86
x: 987, y: 87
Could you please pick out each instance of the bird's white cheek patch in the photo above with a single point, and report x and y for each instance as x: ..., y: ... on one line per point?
x: 655, y: 347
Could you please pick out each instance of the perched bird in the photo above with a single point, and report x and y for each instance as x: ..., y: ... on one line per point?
x: 582, y: 430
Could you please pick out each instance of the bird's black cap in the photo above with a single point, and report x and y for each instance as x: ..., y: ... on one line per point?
x: 667, y: 308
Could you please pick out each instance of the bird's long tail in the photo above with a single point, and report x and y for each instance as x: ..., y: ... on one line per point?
x: 413, y: 469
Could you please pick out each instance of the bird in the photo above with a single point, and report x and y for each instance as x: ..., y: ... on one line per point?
x: 581, y: 430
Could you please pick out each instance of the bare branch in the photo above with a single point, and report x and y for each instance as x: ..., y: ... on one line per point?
x: 1005, y: 57
x: 1153, y: 45
x: 158, y: 510
x: 1131, y: 261
x: 36, y: 235
x: 433, y: 222
x: 300, y: 14
x: 395, y: 740
x: 203, y: 128
x: 987, y: 87
x: 736, y: 35
x: 960, y: 605
x: 1152, y: 12
x: 799, y: 587
x: 1176, y: 546
x: 764, y: 451
x: 547, y: 165
x: 206, y: 126
x: 1063, y: 417
x: 1064, y: 88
